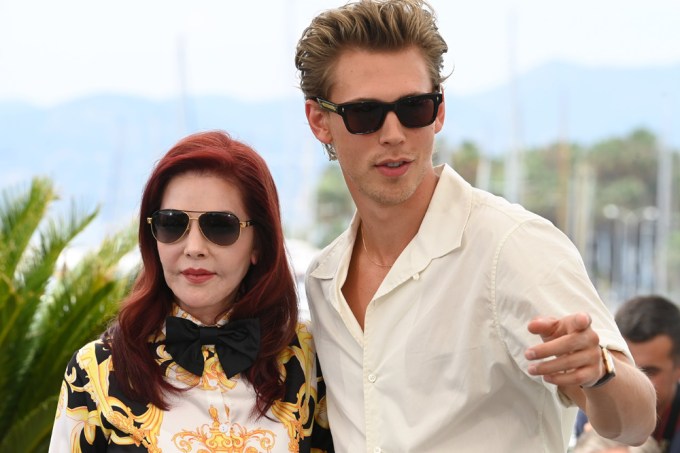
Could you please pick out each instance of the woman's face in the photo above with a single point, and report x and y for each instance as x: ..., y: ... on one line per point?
x: 204, y: 277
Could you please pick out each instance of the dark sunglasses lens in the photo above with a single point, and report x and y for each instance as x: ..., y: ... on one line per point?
x: 364, y: 117
x: 168, y: 226
x: 222, y: 228
x: 416, y: 111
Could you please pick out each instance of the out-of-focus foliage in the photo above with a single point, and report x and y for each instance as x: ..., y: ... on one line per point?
x: 47, y: 309
x: 334, y: 206
x: 626, y: 170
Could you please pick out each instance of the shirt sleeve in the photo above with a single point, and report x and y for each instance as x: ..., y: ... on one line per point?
x: 540, y: 272
x: 322, y: 440
x: 304, y: 375
x: 77, y: 425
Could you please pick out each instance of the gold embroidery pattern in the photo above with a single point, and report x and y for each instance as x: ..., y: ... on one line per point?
x: 140, y: 429
x: 295, y: 415
x: 225, y: 438
x: 94, y: 411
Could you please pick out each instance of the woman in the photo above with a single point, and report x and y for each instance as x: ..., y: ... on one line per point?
x: 206, y: 354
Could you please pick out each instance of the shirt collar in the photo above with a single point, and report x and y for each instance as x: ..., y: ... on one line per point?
x: 178, y: 312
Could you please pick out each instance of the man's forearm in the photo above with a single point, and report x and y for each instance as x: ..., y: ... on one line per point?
x: 623, y: 409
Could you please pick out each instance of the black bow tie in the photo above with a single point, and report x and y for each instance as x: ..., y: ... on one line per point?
x: 236, y: 343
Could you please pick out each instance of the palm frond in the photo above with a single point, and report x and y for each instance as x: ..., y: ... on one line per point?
x: 35, y: 272
x: 24, y: 297
x: 38, y: 267
x: 76, y: 310
x: 47, y: 314
x: 20, y: 215
x: 31, y: 431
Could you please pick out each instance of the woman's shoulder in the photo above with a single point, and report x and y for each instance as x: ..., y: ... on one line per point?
x: 299, y: 360
x: 303, y: 326
x: 93, y: 353
x: 300, y: 348
x: 303, y: 334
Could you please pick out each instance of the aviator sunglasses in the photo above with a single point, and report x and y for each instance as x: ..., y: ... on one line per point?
x: 220, y: 228
x: 368, y: 116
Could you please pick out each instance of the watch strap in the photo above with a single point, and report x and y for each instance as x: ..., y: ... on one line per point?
x: 609, y: 371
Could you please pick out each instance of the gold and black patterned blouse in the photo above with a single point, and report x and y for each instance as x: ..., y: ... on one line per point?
x: 213, y: 415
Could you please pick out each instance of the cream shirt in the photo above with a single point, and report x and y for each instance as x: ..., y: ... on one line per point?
x: 440, y: 364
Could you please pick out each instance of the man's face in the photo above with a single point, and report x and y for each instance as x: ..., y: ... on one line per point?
x: 386, y: 166
x: 655, y: 359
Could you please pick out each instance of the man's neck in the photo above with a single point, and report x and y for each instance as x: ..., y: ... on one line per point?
x: 393, y: 227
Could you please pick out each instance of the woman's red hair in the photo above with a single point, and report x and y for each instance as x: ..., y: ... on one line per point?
x: 267, y: 292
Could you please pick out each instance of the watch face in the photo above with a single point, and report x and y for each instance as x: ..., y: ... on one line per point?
x: 608, y: 361
x: 609, y: 371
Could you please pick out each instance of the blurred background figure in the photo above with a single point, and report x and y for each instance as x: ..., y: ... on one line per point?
x: 651, y: 327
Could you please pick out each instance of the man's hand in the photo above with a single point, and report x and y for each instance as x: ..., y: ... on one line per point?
x: 570, y: 353
x: 570, y: 356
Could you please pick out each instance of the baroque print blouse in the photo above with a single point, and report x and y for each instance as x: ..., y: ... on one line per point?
x: 213, y: 415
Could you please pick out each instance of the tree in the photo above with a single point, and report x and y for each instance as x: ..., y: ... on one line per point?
x: 47, y: 313
x: 626, y: 170
x: 334, y: 206
x: 466, y: 160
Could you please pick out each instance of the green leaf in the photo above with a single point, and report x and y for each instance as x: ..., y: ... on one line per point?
x: 31, y: 430
x: 46, y: 314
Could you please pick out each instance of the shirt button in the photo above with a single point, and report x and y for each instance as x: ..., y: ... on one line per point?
x: 416, y: 277
x: 372, y: 378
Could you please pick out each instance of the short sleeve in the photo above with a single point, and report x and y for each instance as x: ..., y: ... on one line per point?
x: 77, y: 424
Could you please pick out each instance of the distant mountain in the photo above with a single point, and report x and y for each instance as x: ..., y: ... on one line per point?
x: 100, y: 149
x: 565, y: 101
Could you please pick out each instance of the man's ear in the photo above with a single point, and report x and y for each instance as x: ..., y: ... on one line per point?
x: 318, y: 121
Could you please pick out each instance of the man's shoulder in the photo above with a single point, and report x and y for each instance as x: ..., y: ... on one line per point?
x: 481, y: 205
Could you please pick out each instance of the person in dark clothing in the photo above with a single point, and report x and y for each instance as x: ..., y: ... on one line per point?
x: 651, y: 327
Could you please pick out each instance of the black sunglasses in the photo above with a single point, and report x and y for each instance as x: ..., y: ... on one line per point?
x: 368, y: 116
x: 221, y: 228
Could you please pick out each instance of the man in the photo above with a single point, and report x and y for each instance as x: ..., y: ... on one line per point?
x: 651, y: 327
x: 446, y: 319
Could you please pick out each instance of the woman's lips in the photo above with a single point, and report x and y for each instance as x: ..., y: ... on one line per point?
x: 197, y: 275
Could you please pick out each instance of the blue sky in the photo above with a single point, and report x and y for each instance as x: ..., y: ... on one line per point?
x: 51, y: 51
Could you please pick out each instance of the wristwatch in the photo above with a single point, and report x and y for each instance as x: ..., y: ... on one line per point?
x: 609, y: 371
